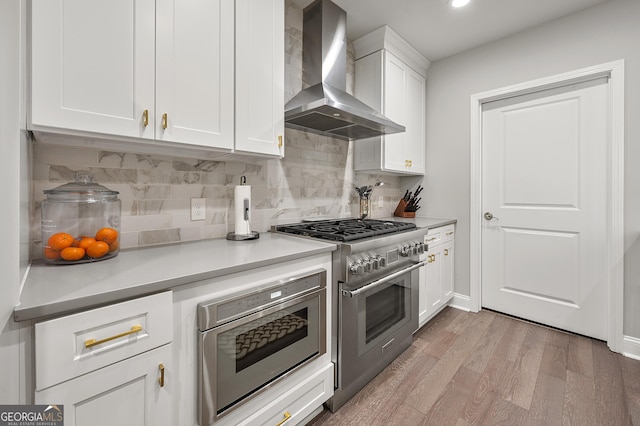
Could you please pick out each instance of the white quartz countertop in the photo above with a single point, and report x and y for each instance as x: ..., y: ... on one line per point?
x: 424, y: 222
x: 54, y: 289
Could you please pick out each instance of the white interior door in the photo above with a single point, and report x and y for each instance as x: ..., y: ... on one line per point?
x: 544, y: 162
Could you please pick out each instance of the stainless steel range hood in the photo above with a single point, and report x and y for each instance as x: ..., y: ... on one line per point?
x: 325, y: 107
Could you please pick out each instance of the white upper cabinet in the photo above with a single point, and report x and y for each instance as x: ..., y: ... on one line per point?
x: 260, y: 77
x: 194, y: 72
x: 205, y: 74
x: 92, y: 66
x: 391, y: 77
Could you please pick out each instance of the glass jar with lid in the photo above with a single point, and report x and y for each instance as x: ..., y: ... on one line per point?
x: 80, y: 222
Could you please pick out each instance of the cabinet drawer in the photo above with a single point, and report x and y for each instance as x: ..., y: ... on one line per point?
x: 440, y: 235
x: 293, y: 406
x: 76, y: 344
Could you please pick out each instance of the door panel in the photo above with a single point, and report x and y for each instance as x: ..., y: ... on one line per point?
x: 544, y: 181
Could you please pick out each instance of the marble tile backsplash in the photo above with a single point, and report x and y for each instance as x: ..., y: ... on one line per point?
x: 314, y: 180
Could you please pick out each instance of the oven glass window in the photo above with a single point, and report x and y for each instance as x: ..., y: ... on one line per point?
x: 384, y: 309
x: 268, y: 336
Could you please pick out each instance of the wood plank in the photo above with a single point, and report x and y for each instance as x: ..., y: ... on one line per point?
x: 579, y: 400
x: 505, y: 413
x: 580, y: 355
x: 511, y: 342
x: 441, y: 343
x: 547, y: 403
x: 449, y: 406
x: 555, y: 356
x: 631, y: 378
x: 483, y: 352
x: 527, y: 366
x: 402, y: 416
x: 610, y: 406
x: 493, y: 384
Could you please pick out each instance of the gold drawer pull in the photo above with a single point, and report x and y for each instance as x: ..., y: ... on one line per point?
x: 280, y: 141
x: 449, y: 233
x: 145, y: 117
x: 432, y: 238
x: 161, y: 379
x: 164, y: 120
x: 287, y: 416
x: 93, y: 342
x: 446, y: 252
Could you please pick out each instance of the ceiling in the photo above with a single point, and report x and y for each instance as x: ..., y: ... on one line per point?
x: 437, y: 30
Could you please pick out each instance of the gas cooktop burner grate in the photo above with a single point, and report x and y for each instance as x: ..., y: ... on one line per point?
x: 345, y: 229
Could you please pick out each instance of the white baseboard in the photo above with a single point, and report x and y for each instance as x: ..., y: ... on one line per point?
x: 460, y: 301
x: 631, y: 347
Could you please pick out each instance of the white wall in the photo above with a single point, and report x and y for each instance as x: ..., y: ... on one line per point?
x: 14, y: 212
x: 607, y: 32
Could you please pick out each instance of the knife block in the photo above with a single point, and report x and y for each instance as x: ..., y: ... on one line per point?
x: 399, y: 212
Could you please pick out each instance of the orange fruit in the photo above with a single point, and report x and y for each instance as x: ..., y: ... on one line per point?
x: 60, y: 241
x: 108, y: 235
x: 114, y: 246
x: 98, y: 249
x: 72, y: 253
x: 51, y: 254
x: 85, y: 242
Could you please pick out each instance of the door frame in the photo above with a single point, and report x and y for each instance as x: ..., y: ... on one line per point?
x: 615, y: 184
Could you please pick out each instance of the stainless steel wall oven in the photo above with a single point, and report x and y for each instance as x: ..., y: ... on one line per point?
x: 249, y: 341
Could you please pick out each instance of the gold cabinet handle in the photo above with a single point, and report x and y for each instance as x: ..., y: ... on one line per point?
x: 145, y: 117
x: 164, y: 120
x: 446, y: 252
x: 410, y: 163
x: 431, y: 239
x: 287, y: 416
x: 432, y: 258
x: 161, y: 379
x: 93, y: 342
x: 280, y: 141
x: 449, y: 233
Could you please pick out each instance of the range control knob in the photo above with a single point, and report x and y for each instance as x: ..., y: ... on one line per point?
x: 405, y: 250
x: 356, y: 269
x: 375, y: 260
x: 367, y: 262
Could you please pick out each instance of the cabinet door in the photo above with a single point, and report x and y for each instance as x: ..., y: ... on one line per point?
x: 194, y: 57
x: 126, y: 393
x: 447, y: 271
x: 92, y: 66
x: 414, y: 137
x: 434, y: 280
x: 395, y: 108
x: 423, y: 307
x: 260, y: 76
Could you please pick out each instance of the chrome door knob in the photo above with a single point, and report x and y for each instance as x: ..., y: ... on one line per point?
x: 489, y: 216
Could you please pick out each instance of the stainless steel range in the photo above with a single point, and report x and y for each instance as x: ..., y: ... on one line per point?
x: 375, y: 295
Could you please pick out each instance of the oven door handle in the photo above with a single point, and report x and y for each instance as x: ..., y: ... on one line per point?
x: 383, y: 280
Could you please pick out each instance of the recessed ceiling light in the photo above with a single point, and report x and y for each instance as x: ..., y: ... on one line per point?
x: 459, y: 3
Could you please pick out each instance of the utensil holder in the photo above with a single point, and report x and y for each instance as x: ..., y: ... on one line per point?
x: 399, y: 212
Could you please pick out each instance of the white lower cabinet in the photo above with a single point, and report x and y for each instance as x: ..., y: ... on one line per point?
x: 436, y: 278
x: 132, y: 392
x: 109, y: 366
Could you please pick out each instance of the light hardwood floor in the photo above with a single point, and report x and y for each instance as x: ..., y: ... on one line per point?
x: 486, y: 368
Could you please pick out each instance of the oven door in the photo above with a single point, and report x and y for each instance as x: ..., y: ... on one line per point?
x: 243, y: 357
x: 376, y: 322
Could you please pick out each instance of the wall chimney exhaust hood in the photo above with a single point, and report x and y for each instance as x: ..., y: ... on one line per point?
x: 325, y: 107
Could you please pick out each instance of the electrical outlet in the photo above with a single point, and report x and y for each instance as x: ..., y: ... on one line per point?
x: 198, y: 209
x: 380, y: 202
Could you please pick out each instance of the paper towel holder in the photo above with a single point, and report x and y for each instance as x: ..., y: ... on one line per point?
x: 253, y: 235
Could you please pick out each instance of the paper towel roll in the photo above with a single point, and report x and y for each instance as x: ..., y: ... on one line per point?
x: 242, y: 196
